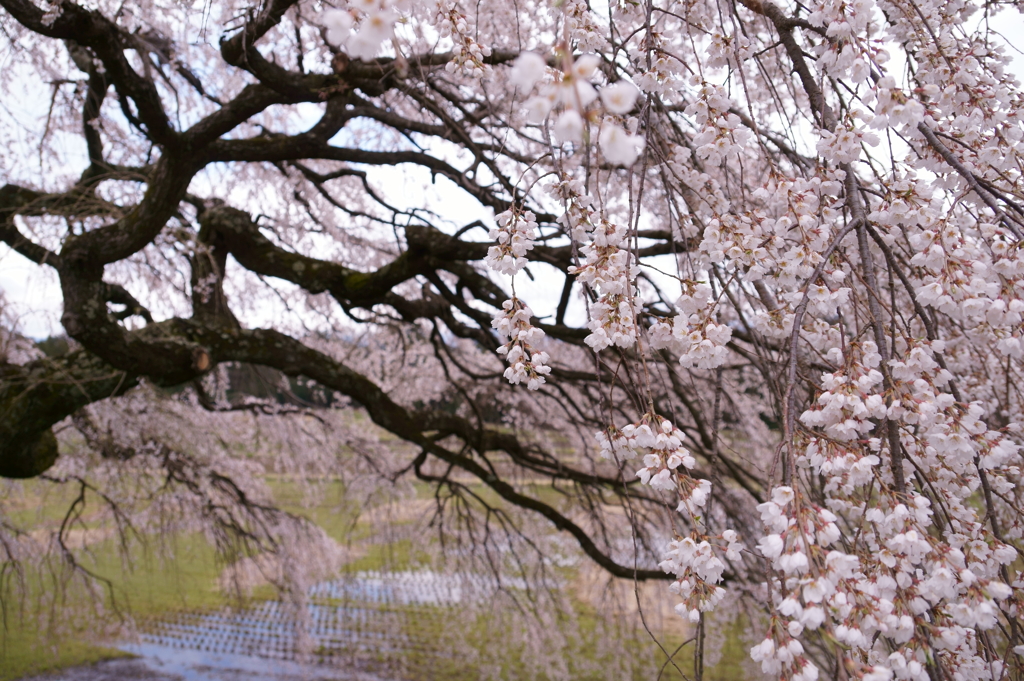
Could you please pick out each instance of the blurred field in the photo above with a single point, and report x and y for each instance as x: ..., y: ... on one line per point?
x: 172, y: 590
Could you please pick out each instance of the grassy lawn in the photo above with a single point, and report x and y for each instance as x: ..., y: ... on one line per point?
x: 146, y: 585
x: 53, y: 618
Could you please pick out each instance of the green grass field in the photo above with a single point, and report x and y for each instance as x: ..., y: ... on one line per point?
x: 50, y: 626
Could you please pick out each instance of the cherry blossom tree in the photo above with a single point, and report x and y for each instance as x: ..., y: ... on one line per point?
x: 742, y: 281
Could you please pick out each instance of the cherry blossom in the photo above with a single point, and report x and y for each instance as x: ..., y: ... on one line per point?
x: 528, y: 70
x: 619, y: 97
x: 618, y: 146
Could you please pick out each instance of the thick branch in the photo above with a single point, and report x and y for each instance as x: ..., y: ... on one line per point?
x: 35, y: 396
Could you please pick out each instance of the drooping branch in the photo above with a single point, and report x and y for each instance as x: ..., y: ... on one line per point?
x: 38, y: 395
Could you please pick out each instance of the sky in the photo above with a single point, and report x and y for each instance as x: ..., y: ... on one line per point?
x: 32, y: 293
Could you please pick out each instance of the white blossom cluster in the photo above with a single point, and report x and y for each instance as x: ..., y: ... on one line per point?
x: 609, y: 269
x: 469, y: 54
x: 582, y: 25
x: 659, y: 445
x: 844, y: 144
x: 515, y: 234
x: 849, y: 406
x: 947, y: 584
x: 908, y: 583
x: 697, y: 570
x: 981, y: 291
x: 606, y: 267
x: 579, y: 216
x: 693, y: 334
x: 527, y: 364
x: 573, y: 92
x: 721, y: 136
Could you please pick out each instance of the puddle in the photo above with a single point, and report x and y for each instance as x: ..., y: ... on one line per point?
x: 156, y: 663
